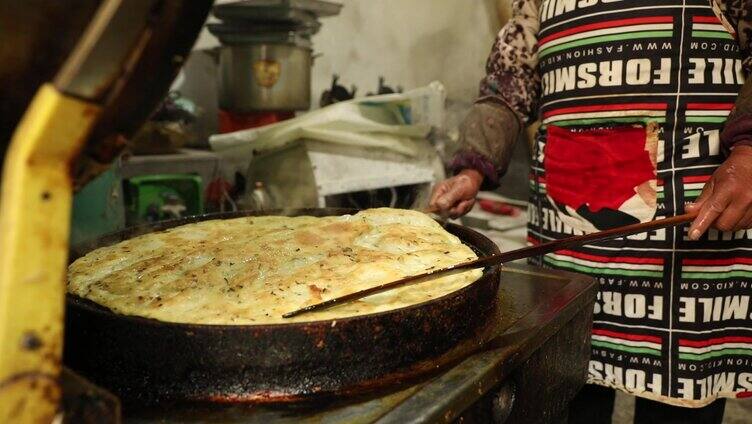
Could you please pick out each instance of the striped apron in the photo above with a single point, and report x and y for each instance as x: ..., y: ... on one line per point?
x: 634, y: 95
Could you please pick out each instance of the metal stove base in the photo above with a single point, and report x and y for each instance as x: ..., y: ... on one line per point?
x: 85, y: 403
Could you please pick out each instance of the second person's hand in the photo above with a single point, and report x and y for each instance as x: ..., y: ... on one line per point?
x: 726, y: 200
x: 455, y: 196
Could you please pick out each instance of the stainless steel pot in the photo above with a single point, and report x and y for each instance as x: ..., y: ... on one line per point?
x: 265, y: 77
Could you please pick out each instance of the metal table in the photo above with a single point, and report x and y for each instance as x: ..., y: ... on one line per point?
x: 533, y: 363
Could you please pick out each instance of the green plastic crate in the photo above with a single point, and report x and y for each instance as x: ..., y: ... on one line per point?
x: 154, y: 198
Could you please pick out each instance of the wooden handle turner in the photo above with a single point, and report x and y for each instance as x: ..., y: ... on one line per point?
x: 525, y: 252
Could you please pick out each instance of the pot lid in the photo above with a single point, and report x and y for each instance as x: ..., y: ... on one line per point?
x: 269, y: 9
x: 270, y: 21
x: 281, y: 37
x: 232, y: 36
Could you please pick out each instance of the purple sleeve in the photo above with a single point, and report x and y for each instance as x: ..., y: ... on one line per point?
x: 468, y: 159
x: 737, y: 132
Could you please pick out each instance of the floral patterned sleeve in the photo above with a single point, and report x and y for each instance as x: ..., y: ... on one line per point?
x: 738, y: 130
x: 512, y: 70
x: 739, y: 13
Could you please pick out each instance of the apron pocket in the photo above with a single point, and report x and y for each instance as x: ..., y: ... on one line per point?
x: 602, y: 178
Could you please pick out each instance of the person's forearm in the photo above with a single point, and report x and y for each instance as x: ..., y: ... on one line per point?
x: 738, y: 130
x: 487, y: 142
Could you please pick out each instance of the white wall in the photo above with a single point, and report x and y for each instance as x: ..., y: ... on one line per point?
x: 409, y: 42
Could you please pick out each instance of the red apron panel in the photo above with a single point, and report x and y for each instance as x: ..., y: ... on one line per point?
x: 599, y: 168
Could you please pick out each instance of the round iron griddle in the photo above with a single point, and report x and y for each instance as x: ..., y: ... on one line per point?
x: 146, y: 361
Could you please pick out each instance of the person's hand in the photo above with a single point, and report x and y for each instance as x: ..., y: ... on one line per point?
x: 456, y: 196
x: 726, y: 200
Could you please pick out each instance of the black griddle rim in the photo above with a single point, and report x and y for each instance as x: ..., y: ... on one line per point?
x: 115, y: 237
